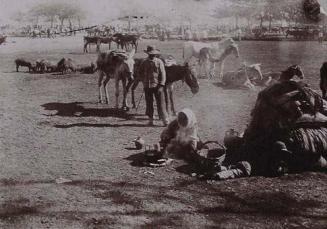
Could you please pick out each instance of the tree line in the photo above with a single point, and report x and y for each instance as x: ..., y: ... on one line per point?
x: 290, y: 11
x: 53, y: 13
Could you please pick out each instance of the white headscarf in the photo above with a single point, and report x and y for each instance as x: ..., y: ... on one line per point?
x: 187, y: 133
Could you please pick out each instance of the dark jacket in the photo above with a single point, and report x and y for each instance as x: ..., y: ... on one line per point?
x: 152, y: 73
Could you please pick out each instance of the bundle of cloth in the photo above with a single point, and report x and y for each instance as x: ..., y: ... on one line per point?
x: 287, y: 133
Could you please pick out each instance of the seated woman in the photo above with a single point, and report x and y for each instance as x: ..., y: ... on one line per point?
x: 180, y: 138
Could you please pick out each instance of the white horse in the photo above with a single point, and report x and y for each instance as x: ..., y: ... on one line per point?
x: 210, y: 53
x: 116, y: 65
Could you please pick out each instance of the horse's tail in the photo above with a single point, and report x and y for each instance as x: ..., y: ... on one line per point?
x: 323, y: 75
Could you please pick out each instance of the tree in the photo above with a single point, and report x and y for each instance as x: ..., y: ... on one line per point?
x: 53, y: 11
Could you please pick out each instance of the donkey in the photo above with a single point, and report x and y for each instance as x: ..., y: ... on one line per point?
x: 119, y: 66
x: 174, y: 73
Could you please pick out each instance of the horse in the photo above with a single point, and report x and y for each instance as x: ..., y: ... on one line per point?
x: 22, y: 62
x: 243, y: 77
x: 89, y: 41
x: 117, y: 65
x: 210, y: 52
x: 174, y: 73
x: 323, y: 80
x: 126, y: 39
x: 270, y: 78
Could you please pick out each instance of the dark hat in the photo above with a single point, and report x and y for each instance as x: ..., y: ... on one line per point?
x: 280, y: 146
x: 152, y: 50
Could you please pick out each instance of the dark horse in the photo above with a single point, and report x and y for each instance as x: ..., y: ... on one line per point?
x: 173, y: 73
x: 124, y: 40
x: 323, y: 80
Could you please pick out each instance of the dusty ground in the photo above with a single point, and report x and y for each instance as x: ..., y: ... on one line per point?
x: 52, y: 128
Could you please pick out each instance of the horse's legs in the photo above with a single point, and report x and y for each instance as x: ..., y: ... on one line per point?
x: 221, y: 65
x: 135, y: 84
x: 125, y: 104
x: 166, y: 98
x: 212, y: 70
x: 171, y: 96
x: 117, y: 92
x: 206, y: 65
x: 85, y: 47
x: 98, y: 46
x: 106, y: 87
x: 201, y: 63
x: 17, y: 66
x: 101, y: 84
x: 100, y: 73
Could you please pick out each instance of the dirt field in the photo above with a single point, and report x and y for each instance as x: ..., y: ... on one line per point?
x: 52, y: 128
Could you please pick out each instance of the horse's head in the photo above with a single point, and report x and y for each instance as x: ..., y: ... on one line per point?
x: 129, y: 63
x: 291, y: 71
x: 230, y: 47
x: 191, y: 79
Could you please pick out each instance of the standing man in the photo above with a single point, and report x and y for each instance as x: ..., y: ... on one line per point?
x: 152, y: 71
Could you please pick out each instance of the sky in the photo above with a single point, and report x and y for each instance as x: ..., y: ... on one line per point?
x: 102, y: 11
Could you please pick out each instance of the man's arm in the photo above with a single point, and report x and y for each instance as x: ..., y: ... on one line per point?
x: 162, y: 79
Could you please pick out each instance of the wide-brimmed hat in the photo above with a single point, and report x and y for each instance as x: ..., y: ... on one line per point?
x: 151, y: 50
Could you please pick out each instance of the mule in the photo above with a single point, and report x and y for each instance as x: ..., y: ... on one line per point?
x: 120, y: 67
x: 174, y: 73
x: 210, y: 53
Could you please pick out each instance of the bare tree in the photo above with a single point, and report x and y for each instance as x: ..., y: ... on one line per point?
x: 53, y: 11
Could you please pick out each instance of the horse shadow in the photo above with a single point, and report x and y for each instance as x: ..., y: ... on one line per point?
x: 78, y: 109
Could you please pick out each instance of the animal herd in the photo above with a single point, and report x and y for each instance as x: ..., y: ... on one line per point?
x: 123, y: 41
x: 62, y: 66
x: 121, y: 66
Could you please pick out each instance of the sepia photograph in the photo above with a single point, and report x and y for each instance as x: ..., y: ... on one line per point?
x: 163, y: 114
